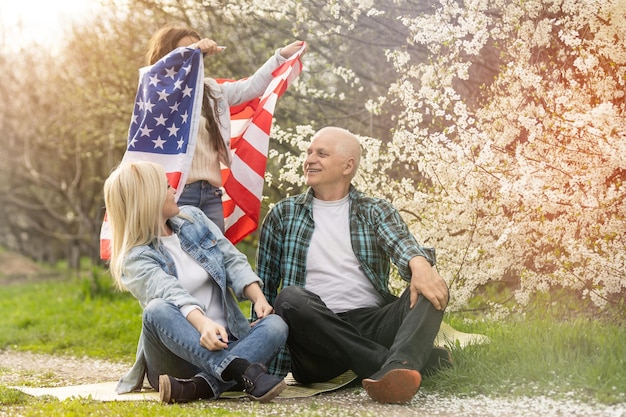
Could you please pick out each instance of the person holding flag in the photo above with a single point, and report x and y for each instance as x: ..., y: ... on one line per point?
x: 211, y: 137
x: 203, y: 187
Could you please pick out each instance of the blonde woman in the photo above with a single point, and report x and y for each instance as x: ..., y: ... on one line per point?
x: 195, y: 342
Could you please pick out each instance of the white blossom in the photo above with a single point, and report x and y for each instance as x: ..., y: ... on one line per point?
x: 528, y: 180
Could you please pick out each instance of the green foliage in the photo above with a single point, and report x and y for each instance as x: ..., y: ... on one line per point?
x: 539, y: 356
x: 61, y: 317
x: 10, y: 396
x: 83, y: 407
x: 99, y: 283
x: 558, y: 302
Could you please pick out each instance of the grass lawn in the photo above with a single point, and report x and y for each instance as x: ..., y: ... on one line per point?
x: 540, y: 354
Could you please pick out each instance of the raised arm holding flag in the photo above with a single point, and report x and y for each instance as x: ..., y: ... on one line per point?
x: 182, y: 121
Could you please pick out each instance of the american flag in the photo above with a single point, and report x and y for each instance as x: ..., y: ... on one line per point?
x: 165, y: 124
x: 250, y: 133
x: 166, y: 116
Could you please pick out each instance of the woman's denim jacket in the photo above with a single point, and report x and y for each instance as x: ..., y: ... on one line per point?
x: 149, y: 273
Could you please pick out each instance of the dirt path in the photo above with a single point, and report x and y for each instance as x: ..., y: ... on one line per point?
x: 18, y: 368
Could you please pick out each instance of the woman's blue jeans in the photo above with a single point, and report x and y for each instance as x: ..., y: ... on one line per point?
x: 207, y: 198
x: 172, y: 346
x: 323, y: 344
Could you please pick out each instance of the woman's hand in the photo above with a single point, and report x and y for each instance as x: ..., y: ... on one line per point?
x: 212, y: 335
x: 291, y: 49
x: 262, y: 308
x: 208, y: 46
x: 254, y: 293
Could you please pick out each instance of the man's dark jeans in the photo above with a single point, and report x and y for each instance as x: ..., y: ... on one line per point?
x: 323, y: 344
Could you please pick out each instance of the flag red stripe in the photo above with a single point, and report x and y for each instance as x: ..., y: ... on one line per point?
x: 229, y: 207
x: 252, y: 157
x: 242, y: 228
x: 263, y: 120
x: 246, y: 201
x: 173, y: 178
x: 244, y: 111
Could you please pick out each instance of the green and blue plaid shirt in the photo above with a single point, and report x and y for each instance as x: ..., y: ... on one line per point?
x: 378, y: 235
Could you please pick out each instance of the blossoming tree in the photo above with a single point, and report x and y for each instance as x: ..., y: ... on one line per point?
x: 529, y: 180
x: 497, y: 127
x: 524, y: 177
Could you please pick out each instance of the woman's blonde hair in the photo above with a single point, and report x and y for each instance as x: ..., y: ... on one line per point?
x: 134, y: 195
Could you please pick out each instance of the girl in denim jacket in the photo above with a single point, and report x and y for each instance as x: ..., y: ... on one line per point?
x: 195, y: 342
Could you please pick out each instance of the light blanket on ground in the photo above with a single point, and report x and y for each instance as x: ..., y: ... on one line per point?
x: 106, y: 391
x: 447, y: 337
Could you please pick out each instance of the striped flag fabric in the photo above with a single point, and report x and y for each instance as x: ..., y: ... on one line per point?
x: 164, y: 129
x: 250, y: 133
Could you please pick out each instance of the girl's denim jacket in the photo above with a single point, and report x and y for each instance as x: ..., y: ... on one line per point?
x: 149, y: 273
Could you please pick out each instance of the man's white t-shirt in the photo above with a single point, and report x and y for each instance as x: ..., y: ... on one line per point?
x: 195, y: 279
x: 333, y: 271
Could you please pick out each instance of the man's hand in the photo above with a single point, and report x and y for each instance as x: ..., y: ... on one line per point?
x: 425, y: 280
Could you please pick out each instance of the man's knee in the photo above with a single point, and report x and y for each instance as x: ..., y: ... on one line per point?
x: 295, y: 304
x: 288, y: 297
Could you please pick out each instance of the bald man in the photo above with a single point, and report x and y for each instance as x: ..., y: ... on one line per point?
x: 329, y: 249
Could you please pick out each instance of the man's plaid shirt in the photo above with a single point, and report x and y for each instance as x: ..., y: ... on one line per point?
x: 378, y: 234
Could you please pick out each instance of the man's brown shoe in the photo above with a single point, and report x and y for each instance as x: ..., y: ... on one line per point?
x: 394, y: 383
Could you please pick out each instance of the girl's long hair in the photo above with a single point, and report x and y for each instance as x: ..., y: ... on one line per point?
x: 134, y: 195
x: 162, y: 43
